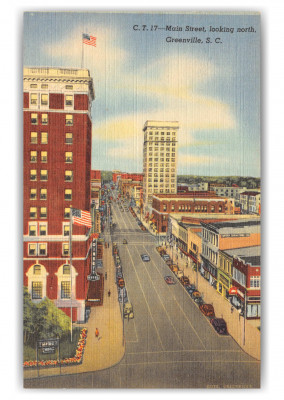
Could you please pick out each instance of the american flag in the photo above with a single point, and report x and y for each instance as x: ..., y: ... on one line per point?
x: 90, y: 40
x: 80, y: 217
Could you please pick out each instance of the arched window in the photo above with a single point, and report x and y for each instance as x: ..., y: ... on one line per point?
x: 37, y: 275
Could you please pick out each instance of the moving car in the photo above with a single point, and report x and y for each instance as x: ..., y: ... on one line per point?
x: 169, y: 280
x: 124, y: 241
x: 207, y: 310
x: 219, y: 325
x: 128, y: 311
x: 145, y: 257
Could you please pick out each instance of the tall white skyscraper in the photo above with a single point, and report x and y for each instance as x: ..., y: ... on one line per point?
x: 159, y: 159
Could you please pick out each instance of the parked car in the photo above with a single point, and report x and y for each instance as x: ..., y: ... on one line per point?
x: 145, y: 257
x: 207, y: 310
x: 120, y: 282
x: 179, y: 274
x: 124, y: 241
x: 184, y: 280
x: 173, y: 267
x: 190, y: 288
x: 128, y: 311
x: 165, y: 257
x: 169, y: 280
x: 195, y: 294
x: 219, y: 325
x: 198, y: 301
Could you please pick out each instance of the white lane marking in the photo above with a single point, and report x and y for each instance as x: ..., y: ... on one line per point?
x: 145, y: 298
x: 162, y: 302
x: 193, y: 362
x: 186, y: 351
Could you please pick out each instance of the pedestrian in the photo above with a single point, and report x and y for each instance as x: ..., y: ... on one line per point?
x: 109, y: 293
x: 97, y: 333
x: 108, y: 245
x: 105, y: 275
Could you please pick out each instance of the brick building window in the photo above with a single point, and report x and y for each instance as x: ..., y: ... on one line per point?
x: 43, y: 212
x: 44, y: 137
x: 68, y: 176
x: 33, y: 212
x: 33, y: 194
x: 65, y: 252
x: 66, y: 230
x: 34, y: 119
x: 33, y: 175
x: 65, y: 289
x: 43, y: 175
x: 68, y: 194
x: 69, y: 138
x: 32, y: 230
x: 68, y: 156
x: 67, y: 212
x: 37, y: 269
x: 69, y: 120
x: 44, y: 99
x: 33, y: 137
x: 42, y: 229
x: 36, y: 290
x: 42, y: 249
x: 34, y: 99
x: 33, y: 156
x: 43, y: 156
x: 68, y: 100
x: 44, y: 119
x: 43, y: 193
x: 32, y: 249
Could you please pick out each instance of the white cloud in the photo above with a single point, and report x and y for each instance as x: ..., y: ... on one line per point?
x: 103, y: 59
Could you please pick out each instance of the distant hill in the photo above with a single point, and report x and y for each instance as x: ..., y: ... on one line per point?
x: 242, y: 181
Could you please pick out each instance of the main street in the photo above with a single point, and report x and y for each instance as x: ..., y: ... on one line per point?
x: 169, y: 343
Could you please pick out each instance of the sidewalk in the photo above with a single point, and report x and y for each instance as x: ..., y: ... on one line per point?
x: 248, y: 337
x: 109, y: 349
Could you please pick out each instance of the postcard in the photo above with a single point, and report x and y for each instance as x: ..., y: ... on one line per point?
x: 142, y: 200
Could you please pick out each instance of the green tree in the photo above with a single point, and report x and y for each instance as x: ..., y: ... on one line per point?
x: 43, y: 320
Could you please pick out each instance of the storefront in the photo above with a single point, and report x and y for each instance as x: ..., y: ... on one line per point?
x: 223, y: 284
x: 210, y: 272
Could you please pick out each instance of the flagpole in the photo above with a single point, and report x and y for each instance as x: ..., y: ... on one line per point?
x: 70, y: 259
x: 82, y: 61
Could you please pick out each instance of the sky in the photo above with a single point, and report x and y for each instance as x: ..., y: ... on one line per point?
x: 212, y: 89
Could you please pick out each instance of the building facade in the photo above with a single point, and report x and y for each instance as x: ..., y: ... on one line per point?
x: 159, y: 159
x: 225, y: 235
x: 186, y: 204
x: 57, y: 167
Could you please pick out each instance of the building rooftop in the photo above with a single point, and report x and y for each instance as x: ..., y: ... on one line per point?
x: 238, y: 223
x: 250, y: 255
x: 161, y: 124
x: 249, y: 193
x: 189, y: 195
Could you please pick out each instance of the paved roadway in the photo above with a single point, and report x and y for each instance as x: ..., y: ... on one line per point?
x: 169, y: 343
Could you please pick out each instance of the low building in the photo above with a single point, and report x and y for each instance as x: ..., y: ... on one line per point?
x: 246, y: 281
x: 225, y: 235
x: 186, y: 204
x: 250, y: 202
x: 96, y: 184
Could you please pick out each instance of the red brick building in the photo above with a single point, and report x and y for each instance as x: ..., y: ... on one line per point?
x: 124, y: 175
x: 57, y: 166
x: 247, y: 280
x: 187, y: 203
